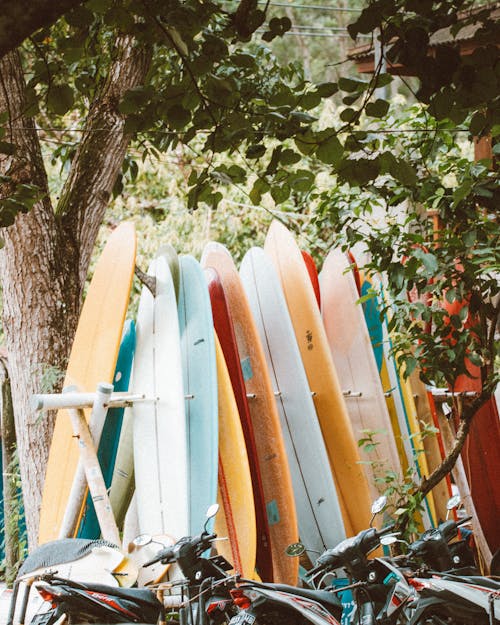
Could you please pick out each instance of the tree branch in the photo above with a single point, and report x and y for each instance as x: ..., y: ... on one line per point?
x: 428, y: 483
x: 87, y: 190
x: 20, y: 19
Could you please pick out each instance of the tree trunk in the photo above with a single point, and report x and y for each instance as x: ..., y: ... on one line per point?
x: 46, y: 256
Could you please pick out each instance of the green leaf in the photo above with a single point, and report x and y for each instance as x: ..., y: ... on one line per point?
x: 306, y: 142
x: 280, y: 193
x: 405, y: 173
x: 327, y: 89
x: 350, y: 85
x: 301, y: 180
x: 349, y: 115
x: 379, y: 108
x: 60, y: 99
x: 330, y: 151
x: 289, y: 157
x: 178, y: 117
x: 255, y: 151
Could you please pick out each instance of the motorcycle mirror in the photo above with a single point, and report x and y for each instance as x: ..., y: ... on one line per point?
x: 388, y: 540
x: 379, y: 504
x: 142, y: 540
x: 212, y: 510
x: 295, y: 549
x: 453, y: 502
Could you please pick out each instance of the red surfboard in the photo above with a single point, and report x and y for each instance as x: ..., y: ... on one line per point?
x: 312, y: 270
x: 480, y: 453
x: 225, y: 331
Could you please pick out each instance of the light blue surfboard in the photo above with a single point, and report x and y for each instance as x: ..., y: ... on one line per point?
x: 200, y: 386
x: 89, y: 526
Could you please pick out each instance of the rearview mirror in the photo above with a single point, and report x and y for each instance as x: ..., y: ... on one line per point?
x: 212, y: 510
x: 388, y: 540
x: 142, y: 540
x: 379, y: 504
x: 295, y: 549
x: 453, y: 502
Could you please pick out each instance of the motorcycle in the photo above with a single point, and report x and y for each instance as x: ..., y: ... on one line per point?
x: 83, y: 580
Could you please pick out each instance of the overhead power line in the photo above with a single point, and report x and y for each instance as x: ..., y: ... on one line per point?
x: 314, y: 7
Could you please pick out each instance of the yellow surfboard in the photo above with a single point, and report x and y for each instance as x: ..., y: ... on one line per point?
x: 276, y: 479
x: 92, y: 360
x: 236, y: 517
x: 442, y: 492
x: 343, y: 453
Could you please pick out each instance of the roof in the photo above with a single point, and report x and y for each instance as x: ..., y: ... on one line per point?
x: 465, y: 38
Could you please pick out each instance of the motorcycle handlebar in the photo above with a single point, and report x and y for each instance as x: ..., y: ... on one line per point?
x: 367, y: 539
x: 170, y: 554
x: 164, y: 554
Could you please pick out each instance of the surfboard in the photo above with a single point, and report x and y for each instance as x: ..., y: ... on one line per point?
x: 276, y: 480
x: 318, y: 510
x: 122, y: 482
x: 92, y: 360
x: 357, y: 371
x: 236, y: 518
x: 159, y: 429
x: 480, y: 453
x: 406, y: 413
x: 108, y: 446
x: 199, y: 371
x: 350, y: 480
x: 225, y: 331
x: 374, y: 326
x: 313, y: 274
x: 433, y: 449
x: 170, y: 254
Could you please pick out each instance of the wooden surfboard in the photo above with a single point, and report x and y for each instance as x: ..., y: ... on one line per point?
x: 159, y: 430
x: 318, y: 510
x: 357, y: 371
x: 225, y: 331
x: 200, y: 389
x: 236, y: 518
x: 108, y: 446
x: 271, y: 452
x: 351, y: 483
x: 92, y: 360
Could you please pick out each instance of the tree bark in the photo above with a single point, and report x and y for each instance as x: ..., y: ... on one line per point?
x: 20, y: 19
x: 47, y: 252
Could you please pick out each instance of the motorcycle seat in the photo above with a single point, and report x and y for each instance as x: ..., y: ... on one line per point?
x: 324, y: 597
x: 141, y: 595
x: 59, y: 552
x: 478, y: 580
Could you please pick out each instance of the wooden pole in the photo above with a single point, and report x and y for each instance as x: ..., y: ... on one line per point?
x: 79, y: 489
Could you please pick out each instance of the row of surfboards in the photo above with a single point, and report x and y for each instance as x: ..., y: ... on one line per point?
x: 263, y: 414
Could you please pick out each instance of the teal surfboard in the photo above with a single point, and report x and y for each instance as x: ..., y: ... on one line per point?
x: 108, y: 446
x: 386, y: 363
x: 200, y: 388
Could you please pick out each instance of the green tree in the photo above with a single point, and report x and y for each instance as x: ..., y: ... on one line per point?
x: 159, y: 74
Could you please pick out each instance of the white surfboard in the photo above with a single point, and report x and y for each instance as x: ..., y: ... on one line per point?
x: 160, y: 451
x: 318, y: 512
x: 354, y: 361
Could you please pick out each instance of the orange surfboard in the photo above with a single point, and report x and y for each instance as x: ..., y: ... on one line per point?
x: 276, y: 480
x: 92, y: 360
